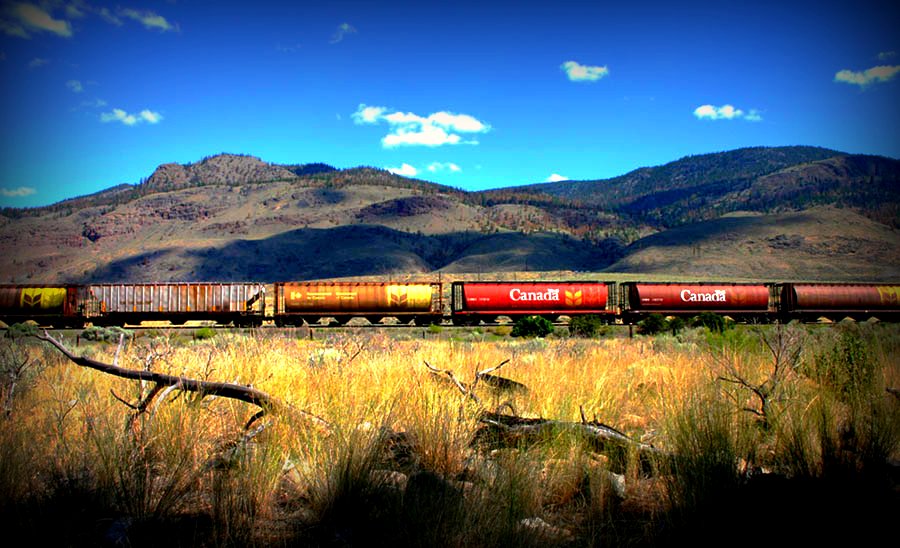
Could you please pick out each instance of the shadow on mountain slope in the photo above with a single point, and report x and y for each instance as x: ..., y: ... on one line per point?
x: 822, y: 243
x: 359, y: 250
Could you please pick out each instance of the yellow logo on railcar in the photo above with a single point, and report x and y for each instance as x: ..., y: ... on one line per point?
x: 397, y: 295
x: 890, y: 294
x: 43, y: 297
x: 573, y: 298
x: 409, y: 296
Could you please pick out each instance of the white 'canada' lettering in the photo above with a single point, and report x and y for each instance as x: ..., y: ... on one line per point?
x: 688, y: 296
x: 519, y: 295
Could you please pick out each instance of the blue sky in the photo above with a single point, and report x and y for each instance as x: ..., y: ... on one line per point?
x: 470, y: 94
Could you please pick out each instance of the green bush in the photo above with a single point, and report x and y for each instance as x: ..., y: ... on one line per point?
x: 587, y: 326
x: 653, y: 324
x: 847, y: 366
x: 204, y: 333
x: 105, y: 334
x: 18, y: 330
x: 532, y: 326
x: 500, y: 330
x: 676, y: 324
x: 712, y: 321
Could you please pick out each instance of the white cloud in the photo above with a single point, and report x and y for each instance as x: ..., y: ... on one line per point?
x: 17, y: 192
x: 434, y: 167
x: 37, y: 62
x: 577, y: 72
x: 753, y: 116
x: 457, y: 122
x: 75, y: 86
x: 96, y: 103
x: 343, y: 30
x: 109, y: 17
x: 885, y: 55
x: 119, y: 115
x: 149, y: 19
x: 74, y: 10
x: 421, y: 135
x: 409, y: 129
x: 726, y: 112
x: 27, y: 18
x: 405, y: 170
x: 881, y: 73
x: 555, y: 178
x: 367, y: 115
x: 150, y: 116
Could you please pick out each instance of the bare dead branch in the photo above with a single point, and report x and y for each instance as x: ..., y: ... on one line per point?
x: 492, y: 369
x: 502, y: 383
x: 122, y: 400
x: 500, y: 430
x: 118, y: 349
x: 462, y: 388
x: 785, y: 346
x: 496, y: 381
x: 202, y: 388
x: 16, y: 364
x: 346, y: 350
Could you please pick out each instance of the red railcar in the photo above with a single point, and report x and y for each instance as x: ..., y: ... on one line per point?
x: 296, y: 302
x: 475, y: 301
x: 734, y: 299
x: 837, y: 301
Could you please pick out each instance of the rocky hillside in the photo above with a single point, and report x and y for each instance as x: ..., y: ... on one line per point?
x: 223, y: 169
x: 764, y: 180
x: 752, y: 213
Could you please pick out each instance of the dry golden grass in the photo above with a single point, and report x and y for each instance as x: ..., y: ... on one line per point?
x: 341, y: 399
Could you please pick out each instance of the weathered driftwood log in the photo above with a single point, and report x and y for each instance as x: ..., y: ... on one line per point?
x: 502, y: 383
x: 468, y: 389
x: 204, y: 388
x: 498, y: 430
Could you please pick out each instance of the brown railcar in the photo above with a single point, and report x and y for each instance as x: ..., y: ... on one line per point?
x: 748, y: 301
x: 837, y: 301
x: 312, y: 302
x: 239, y: 303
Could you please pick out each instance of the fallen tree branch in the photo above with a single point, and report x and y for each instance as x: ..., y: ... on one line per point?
x: 502, y: 383
x: 504, y: 431
x: 492, y: 369
x: 497, y: 382
x: 203, y: 388
x: 462, y: 387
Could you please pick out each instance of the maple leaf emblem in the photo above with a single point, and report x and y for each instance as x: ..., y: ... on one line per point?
x: 31, y: 299
x: 397, y: 296
x: 573, y: 298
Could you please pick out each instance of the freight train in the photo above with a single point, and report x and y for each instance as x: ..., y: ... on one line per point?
x: 423, y: 303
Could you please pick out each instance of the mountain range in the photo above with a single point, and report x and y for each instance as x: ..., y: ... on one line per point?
x: 753, y: 213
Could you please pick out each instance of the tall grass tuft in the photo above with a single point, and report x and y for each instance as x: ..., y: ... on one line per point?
x: 709, y: 440
x: 350, y: 503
